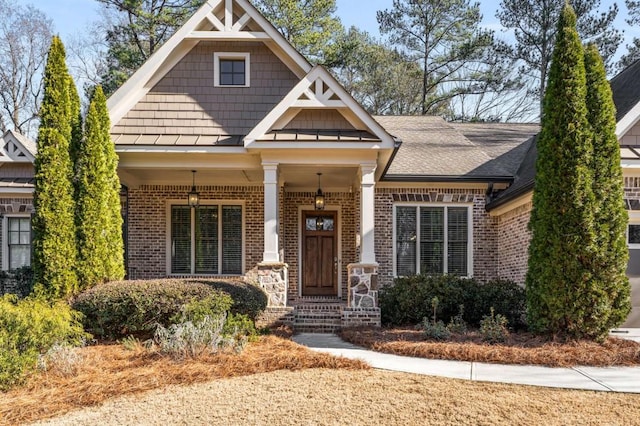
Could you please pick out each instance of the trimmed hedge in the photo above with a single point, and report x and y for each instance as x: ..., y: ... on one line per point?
x: 248, y: 299
x: 121, y: 308
x: 408, y: 301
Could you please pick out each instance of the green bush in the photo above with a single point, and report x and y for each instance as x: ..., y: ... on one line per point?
x: 29, y: 328
x: 23, y: 278
x: 409, y: 300
x: 505, y: 297
x: 248, y: 299
x: 213, y: 306
x: 120, y: 308
x: 493, y: 328
x: 239, y: 324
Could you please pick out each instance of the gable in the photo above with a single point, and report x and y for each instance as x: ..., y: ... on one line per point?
x: 319, y: 119
x: 186, y: 101
x: 216, y: 20
x: 15, y: 148
x: 318, y: 93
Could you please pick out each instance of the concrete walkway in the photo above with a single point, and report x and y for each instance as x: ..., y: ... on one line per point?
x: 613, y: 379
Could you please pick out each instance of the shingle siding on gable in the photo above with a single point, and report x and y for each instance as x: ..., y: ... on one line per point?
x: 318, y: 119
x: 186, y: 102
x: 20, y: 170
x: 632, y: 137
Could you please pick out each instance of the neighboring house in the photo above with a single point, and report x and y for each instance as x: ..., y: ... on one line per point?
x: 229, y: 98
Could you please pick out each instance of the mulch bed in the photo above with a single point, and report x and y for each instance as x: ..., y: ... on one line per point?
x: 520, y: 348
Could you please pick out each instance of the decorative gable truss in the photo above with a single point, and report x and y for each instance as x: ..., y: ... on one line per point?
x: 15, y: 148
x: 219, y: 20
x: 319, y: 90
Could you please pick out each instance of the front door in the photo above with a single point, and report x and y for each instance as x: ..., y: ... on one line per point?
x: 319, y: 254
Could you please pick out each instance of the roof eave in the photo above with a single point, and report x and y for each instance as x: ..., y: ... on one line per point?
x: 446, y: 178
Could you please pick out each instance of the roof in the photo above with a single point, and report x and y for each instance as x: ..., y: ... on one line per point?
x: 177, y: 140
x: 433, y: 148
x: 307, y: 135
x: 626, y: 89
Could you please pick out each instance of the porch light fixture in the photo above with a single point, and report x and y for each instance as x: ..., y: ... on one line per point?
x: 193, y: 197
x: 319, y: 200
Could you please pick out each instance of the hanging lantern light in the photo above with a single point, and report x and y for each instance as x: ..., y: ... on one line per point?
x: 319, y: 199
x: 194, y: 197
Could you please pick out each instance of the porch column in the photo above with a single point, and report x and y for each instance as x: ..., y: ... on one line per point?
x: 367, y: 213
x: 271, y: 249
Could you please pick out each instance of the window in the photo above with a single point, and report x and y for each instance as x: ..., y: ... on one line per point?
x: 432, y: 240
x: 18, y: 242
x: 231, y: 69
x: 206, y: 240
x: 633, y: 236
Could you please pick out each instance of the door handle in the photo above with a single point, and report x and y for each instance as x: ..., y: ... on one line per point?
x: 335, y: 264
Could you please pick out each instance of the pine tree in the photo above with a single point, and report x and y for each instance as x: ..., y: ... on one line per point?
x: 610, y: 291
x: 54, y: 239
x: 100, y: 247
x: 562, y: 221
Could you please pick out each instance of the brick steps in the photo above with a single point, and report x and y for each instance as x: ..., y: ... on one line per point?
x: 318, y: 316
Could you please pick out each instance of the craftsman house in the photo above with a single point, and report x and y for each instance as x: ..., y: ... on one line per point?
x: 239, y: 157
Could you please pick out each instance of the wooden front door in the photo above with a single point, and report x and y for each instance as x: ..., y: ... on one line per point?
x: 319, y: 254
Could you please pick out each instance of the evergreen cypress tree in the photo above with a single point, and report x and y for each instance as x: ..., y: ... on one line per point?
x: 100, y: 248
x: 54, y: 238
x: 562, y: 221
x: 610, y: 295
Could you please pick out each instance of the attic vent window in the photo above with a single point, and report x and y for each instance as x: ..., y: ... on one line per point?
x: 231, y: 69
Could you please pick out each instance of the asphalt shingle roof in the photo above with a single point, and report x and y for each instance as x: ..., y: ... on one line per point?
x: 431, y: 147
x: 626, y: 89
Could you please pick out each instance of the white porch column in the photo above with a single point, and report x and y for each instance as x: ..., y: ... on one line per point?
x: 367, y: 213
x: 271, y: 195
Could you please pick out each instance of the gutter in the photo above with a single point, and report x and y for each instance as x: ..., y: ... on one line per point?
x: 396, y: 148
x: 512, y: 196
x: 447, y: 178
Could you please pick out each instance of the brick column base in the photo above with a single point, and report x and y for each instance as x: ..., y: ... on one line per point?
x: 363, y: 285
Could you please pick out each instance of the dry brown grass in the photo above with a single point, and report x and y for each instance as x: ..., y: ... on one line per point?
x: 521, y: 348
x: 339, y: 397
x: 110, y: 371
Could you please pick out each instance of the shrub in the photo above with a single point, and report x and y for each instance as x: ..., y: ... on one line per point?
x: 409, y: 299
x: 61, y: 359
x: 197, y: 309
x: 31, y: 327
x: 248, y: 299
x: 493, y: 328
x: 457, y: 324
x: 506, y: 297
x: 193, y: 339
x: 238, y: 324
x: 120, y: 308
x: 21, y: 280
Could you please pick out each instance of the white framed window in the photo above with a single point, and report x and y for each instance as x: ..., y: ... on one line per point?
x: 232, y: 69
x: 17, y: 241
x: 207, y: 240
x: 432, y: 239
x: 633, y: 236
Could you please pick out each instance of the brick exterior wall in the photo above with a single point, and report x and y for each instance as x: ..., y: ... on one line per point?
x: 185, y: 101
x: 632, y: 188
x: 513, y: 243
x: 484, y: 227
x: 348, y: 219
x: 147, y: 224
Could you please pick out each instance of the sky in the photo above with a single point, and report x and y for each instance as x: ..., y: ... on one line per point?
x: 73, y: 17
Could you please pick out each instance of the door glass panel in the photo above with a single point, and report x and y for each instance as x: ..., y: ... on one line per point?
x: 327, y: 224
x: 231, y: 239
